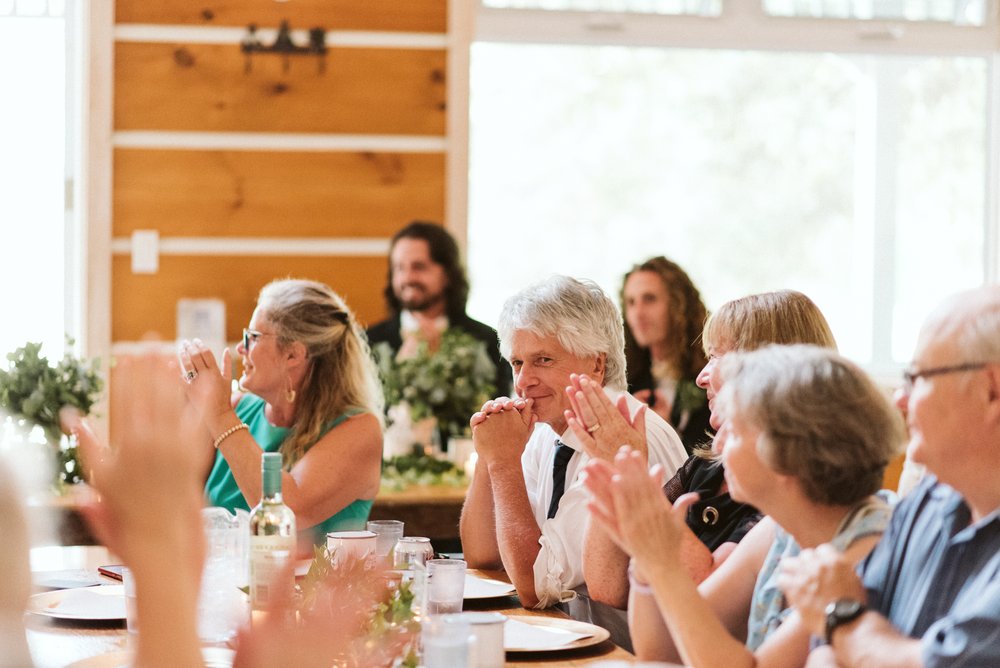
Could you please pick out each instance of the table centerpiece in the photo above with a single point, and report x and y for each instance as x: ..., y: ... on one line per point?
x: 441, y: 387
x: 33, y: 391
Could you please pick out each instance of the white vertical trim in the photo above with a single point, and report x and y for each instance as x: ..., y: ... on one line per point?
x: 861, y: 275
x: 460, y: 31
x: 991, y: 222
x: 887, y: 73
x: 73, y: 315
x: 96, y: 104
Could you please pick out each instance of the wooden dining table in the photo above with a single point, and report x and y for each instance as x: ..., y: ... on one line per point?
x: 428, y: 510
x: 55, y: 643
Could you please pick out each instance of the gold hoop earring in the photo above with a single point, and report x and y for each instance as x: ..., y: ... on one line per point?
x: 290, y: 394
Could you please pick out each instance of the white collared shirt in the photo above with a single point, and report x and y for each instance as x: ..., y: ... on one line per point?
x: 408, y: 323
x: 559, y: 565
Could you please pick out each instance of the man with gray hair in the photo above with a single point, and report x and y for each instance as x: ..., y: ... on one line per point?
x: 929, y: 592
x: 526, y: 507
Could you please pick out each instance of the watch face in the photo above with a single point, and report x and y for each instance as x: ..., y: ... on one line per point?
x: 840, y: 612
x: 846, y: 608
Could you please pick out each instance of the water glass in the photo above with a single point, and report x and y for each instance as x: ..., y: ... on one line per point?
x: 412, y: 551
x: 487, y: 628
x: 222, y: 607
x: 447, y: 643
x: 388, y: 533
x: 131, y: 608
x: 351, y: 545
x: 445, y: 586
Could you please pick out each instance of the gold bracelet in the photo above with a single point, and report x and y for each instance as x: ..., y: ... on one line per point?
x: 229, y: 432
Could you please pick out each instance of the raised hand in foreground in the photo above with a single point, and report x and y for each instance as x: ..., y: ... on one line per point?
x: 148, y: 509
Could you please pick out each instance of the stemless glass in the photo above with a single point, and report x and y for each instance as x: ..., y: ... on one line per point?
x: 388, y: 533
x: 445, y: 586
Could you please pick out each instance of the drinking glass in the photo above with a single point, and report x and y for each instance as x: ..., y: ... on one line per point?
x: 222, y: 607
x: 447, y: 642
x: 388, y: 533
x: 487, y: 628
x: 131, y: 608
x: 445, y: 586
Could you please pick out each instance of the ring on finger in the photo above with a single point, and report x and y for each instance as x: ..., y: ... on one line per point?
x: 190, y: 375
x: 594, y: 428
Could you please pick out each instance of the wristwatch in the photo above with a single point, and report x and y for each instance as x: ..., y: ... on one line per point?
x: 842, y: 611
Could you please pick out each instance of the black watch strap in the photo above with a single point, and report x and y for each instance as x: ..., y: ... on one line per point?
x: 840, y: 612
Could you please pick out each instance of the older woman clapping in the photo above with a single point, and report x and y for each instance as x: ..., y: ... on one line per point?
x: 807, y: 436
x: 312, y: 394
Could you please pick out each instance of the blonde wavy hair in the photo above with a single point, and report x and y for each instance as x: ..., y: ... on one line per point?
x: 341, y: 375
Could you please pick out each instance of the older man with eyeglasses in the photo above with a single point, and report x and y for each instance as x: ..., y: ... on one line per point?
x: 929, y: 593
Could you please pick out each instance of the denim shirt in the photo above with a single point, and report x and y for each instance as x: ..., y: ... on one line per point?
x: 936, y: 577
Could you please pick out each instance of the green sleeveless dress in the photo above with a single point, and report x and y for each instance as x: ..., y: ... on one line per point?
x: 222, y: 491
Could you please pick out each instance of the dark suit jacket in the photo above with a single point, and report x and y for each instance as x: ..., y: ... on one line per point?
x: 388, y: 331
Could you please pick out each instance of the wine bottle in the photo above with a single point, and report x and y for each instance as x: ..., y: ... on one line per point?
x: 272, y: 537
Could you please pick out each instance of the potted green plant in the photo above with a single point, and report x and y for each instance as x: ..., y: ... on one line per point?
x: 33, y: 391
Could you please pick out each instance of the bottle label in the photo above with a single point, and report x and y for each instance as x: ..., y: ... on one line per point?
x: 269, y: 556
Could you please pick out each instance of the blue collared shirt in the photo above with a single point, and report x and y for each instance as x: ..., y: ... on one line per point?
x: 936, y: 577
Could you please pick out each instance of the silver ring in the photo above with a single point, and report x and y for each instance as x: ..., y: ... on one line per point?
x: 190, y: 375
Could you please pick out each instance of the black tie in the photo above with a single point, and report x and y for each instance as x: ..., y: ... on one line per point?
x: 563, y: 454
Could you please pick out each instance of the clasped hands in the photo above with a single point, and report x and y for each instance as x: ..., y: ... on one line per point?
x: 814, y: 579
x: 500, y: 429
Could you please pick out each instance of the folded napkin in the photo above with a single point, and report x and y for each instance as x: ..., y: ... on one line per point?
x: 477, y: 587
x: 531, y: 637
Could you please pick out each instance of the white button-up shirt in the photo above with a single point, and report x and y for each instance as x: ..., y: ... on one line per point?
x: 559, y: 565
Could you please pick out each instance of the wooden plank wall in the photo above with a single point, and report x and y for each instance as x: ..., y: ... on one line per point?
x: 211, y: 154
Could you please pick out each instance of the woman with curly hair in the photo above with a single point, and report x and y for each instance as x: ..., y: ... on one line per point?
x: 664, y: 316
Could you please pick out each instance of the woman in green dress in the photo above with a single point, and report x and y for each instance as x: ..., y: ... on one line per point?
x: 310, y: 391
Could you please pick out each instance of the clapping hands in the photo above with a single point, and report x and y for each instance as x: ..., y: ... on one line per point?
x: 149, y: 481
x: 628, y: 502
x: 601, y: 426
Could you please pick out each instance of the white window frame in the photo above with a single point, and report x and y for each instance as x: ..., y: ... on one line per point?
x: 744, y: 25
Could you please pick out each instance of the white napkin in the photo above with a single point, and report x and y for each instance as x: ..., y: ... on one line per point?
x: 476, y: 587
x: 518, y: 635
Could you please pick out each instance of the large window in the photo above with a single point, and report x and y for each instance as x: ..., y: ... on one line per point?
x: 36, y: 274
x: 859, y: 179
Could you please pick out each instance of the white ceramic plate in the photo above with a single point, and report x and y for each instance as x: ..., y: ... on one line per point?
x: 594, y: 635
x: 215, y: 657
x: 481, y: 588
x: 83, y: 603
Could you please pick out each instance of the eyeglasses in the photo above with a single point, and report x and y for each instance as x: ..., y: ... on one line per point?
x: 250, y: 336
x: 910, y: 376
